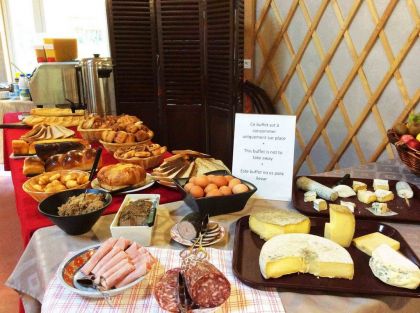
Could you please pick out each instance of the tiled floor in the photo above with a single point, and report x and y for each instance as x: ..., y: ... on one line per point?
x: 11, y: 245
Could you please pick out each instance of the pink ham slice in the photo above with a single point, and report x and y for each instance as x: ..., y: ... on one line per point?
x: 118, y: 276
x: 122, y: 243
x: 106, y: 259
x: 115, y: 268
x: 98, y: 255
x: 111, y: 263
x: 132, y: 251
x: 140, y: 271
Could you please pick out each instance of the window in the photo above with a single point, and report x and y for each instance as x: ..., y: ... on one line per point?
x: 29, y: 21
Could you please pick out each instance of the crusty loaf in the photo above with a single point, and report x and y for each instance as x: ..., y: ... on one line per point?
x: 120, y: 175
x: 20, y: 147
x: 56, y: 112
x: 33, y: 166
x: 66, y: 121
x: 72, y: 160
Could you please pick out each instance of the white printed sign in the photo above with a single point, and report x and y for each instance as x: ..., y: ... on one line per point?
x: 263, y: 153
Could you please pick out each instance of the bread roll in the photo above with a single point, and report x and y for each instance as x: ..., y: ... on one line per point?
x: 72, y: 160
x: 33, y: 166
x: 120, y: 175
x: 20, y: 147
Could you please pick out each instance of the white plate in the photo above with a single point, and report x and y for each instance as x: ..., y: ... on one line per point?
x: 177, y: 237
x: 149, y: 181
x: 86, y: 292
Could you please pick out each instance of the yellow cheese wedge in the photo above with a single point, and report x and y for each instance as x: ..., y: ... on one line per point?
x: 370, y: 242
x: 384, y: 195
x: 268, y: 222
x: 366, y: 196
x: 304, y: 253
x: 341, y: 227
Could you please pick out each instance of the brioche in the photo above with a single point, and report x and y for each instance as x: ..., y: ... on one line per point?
x: 72, y: 160
x: 47, y: 148
x: 120, y: 175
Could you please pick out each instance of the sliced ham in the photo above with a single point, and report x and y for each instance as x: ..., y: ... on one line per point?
x: 122, y: 243
x: 118, y: 276
x: 121, y: 255
x: 132, y: 251
x: 106, y: 258
x: 140, y: 271
x: 115, y: 268
x: 98, y: 255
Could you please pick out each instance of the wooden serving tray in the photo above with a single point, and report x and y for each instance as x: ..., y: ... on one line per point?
x: 406, y: 214
x: 247, y: 247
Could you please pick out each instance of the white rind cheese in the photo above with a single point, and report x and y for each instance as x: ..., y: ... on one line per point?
x: 404, y: 190
x: 350, y: 205
x: 309, y: 196
x: 393, y: 268
x: 322, y: 191
x: 304, y: 253
x: 320, y: 205
x: 357, y: 185
x: 269, y: 222
x: 380, y: 184
x: 344, y: 191
x: 384, y: 195
x: 366, y: 196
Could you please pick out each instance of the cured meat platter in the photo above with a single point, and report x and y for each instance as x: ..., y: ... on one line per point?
x: 247, y: 247
x: 406, y: 213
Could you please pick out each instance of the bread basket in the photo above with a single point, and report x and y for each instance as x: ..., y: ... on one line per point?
x: 91, y: 135
x: 41, y: 195
x: 407, y: 155
x: 112, y: 146
x: 146, y: 163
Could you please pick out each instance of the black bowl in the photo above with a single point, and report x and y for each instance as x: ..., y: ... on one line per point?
x: 217, y: 205
x: 72, y: 225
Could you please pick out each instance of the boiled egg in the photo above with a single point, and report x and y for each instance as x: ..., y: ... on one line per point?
x: 239, y: 188
x: 197, y: 191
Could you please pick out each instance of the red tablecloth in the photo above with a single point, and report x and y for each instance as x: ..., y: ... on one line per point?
x: 27, y: 208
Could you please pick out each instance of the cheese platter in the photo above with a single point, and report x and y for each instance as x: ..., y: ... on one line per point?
x: 399, y: 209
x: 246, y: 262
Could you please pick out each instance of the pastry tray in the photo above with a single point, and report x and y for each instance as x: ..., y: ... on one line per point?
x: 247, y: 247
x: 406, y: 214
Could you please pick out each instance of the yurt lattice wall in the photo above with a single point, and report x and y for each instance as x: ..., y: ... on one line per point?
x: 348, y: 69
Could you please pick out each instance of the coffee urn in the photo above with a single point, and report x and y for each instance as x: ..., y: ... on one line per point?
x: 96, y: 85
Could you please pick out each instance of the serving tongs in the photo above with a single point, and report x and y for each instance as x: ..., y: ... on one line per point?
x: 88, y: 281
x: 94, y: 167
x: 185, y: 303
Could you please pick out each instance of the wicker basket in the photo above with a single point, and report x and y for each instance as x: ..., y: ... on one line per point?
x: 146, y: 163
x: 91, y: 135
x: 407, y: 155
x: 112, y: 146
x: 40, y: 195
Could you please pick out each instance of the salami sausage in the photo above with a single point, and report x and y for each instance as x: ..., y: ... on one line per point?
x: 165, y: 290
x: 208, y: 287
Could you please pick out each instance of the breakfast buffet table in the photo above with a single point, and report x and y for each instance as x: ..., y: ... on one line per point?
x: 34, y: 277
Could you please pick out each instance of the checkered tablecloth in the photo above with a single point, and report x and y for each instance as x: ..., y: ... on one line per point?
x: 140, y: 298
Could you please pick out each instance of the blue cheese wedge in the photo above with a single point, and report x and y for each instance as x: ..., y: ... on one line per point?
x: 393, y: 268
x: 320, y: 205
x: 380, y: 184
x: 357, y: 185
x: 384, y: 195
x: 380, y: 207
x: 324, y: 192
x: 350, y: 205
x: 309, y: 196
x: 404, y: 190
x: 366, y: 196
x: 304, y: 253
x: 344, y: 191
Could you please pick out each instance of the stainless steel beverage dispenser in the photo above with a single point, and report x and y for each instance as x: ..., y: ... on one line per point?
x: 96, y: 84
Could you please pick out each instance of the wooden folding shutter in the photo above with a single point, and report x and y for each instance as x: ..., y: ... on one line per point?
x: 133, y: 46
x: 181, y: 72
x: 224, y: 73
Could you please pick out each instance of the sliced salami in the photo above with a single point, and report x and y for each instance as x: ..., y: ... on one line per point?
x: 165, y: 290
x: 208, y: 287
